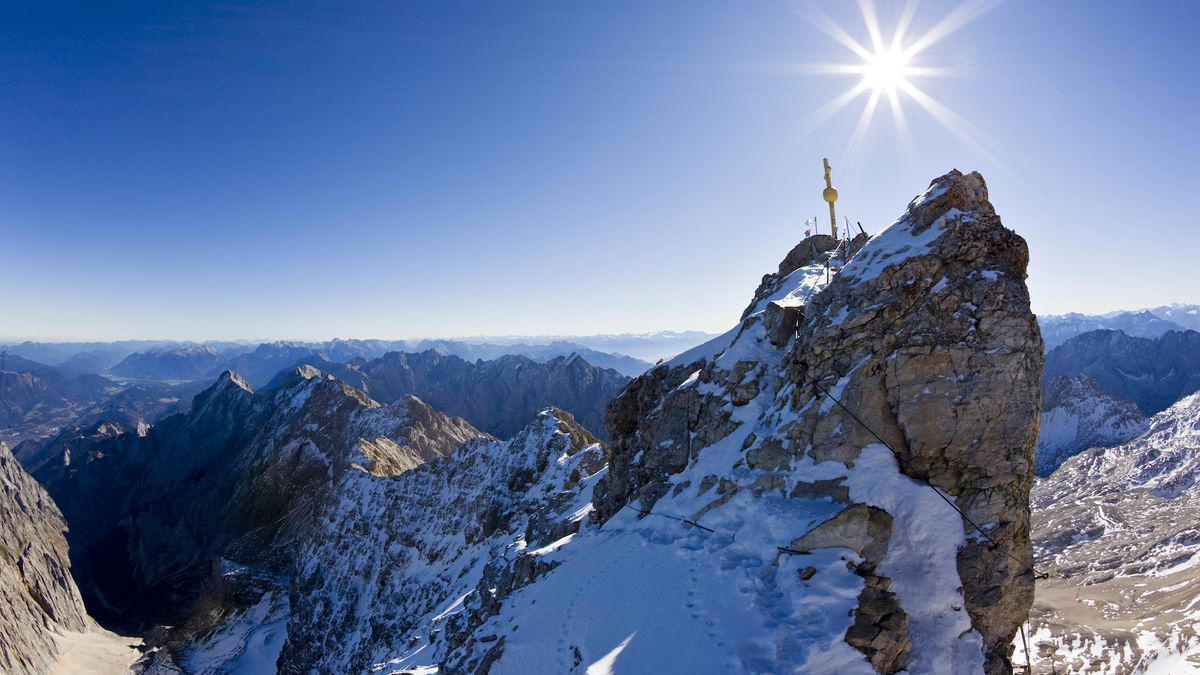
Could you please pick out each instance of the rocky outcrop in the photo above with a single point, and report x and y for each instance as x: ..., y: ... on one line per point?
x: 38, y: 598
x: 498, y: 396
x: 922, y: 348
x: 238, y: 478
x: 408, y: 546
x: 1151, y: 373
x: 1077, y: 415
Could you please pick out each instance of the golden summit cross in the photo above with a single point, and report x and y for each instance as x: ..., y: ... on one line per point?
x: 830, y: 195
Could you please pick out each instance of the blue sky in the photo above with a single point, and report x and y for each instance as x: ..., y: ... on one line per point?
x: 401, y: 169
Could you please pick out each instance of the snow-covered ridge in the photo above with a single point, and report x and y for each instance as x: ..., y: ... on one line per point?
x: 740, y: 522
x: 1077, y: 415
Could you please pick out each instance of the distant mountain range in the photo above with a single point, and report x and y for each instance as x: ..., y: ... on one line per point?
x: 630, y: 355
x: 1147, y: 323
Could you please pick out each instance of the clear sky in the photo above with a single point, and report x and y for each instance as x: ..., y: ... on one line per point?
x: 421, y: 168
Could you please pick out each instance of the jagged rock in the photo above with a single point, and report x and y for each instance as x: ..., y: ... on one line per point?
x: 926, y: 340
x: 407, y: 546
x: 861, y: 528
x: 38, y: 597
x: 238, y: 477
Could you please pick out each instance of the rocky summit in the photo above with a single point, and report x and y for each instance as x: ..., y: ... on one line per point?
x: 839, y: 484
x: 911, y: 377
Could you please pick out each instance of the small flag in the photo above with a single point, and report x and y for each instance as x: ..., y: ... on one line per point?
x: 808, y: 225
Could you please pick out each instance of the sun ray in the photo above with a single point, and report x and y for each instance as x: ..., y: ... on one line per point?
x: 902, y: 131
x: 959, y: 17
x: 827, y: 25
x: 869, y: 17
x: 860, y: 131
x: 835, y: 106
x: 959, y: 127
x: 910, y: 8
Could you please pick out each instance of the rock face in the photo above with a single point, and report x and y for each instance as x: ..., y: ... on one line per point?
x: 236, y: 479
x: 1119, y: 529
x: 1152, y: 374
x: 1077, y: 415
x: 924, y: 341
x: 443, y: 534
x: 37, y: 595
x: 498, y: 396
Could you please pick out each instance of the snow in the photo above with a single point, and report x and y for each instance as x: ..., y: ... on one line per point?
x: 95, y: 651
x: 706, y: 351
x: 248, y: 644
x: 922, y: 563
x: 652, y: 596
x: 895, y: 244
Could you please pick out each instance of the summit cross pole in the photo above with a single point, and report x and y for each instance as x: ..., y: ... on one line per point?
x: 830, y: 195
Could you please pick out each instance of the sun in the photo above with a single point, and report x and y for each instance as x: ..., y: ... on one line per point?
x: 888, y: 69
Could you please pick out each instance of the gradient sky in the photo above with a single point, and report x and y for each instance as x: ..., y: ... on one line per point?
x: 402, y: 169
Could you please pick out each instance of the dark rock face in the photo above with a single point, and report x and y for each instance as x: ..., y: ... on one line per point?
x: 237, y: 478
x: 1152, y: 374
x: 36, y: 400
x: 924, y: 337
x: 498, y: 396
x: 37, y: 595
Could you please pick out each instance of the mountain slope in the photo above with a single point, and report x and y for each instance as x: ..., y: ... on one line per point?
x: 1077, y: 415
x: 498, y: 396
x: 1187, y: 316
x: 1152, y: 374
x: 185, y: 363
x: 38, y: 598
x: 236, y: 478
x: 1120, y: 529
x: 393, y: 551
